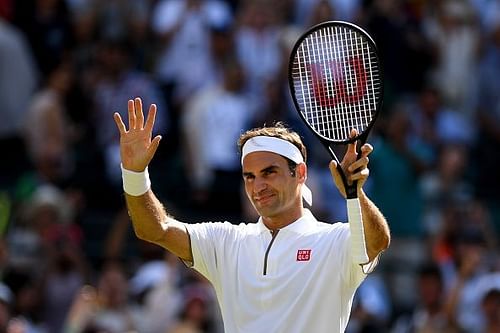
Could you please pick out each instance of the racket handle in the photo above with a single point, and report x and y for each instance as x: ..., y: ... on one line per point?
x: 358, y: 244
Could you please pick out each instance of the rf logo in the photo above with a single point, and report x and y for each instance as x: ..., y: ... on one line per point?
x: 303, y: 255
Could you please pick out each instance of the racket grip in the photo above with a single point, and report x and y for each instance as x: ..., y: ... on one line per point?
x: 358, y: 244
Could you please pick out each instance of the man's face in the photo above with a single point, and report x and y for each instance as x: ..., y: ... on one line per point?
x: 269, y: 184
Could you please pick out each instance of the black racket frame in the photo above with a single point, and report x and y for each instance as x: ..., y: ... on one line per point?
x: 351, y: 189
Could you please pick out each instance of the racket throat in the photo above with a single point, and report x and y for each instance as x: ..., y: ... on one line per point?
x: 351, y: 190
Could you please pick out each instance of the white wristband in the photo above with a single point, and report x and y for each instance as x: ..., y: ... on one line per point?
x: 135, y: 183
x: 358, y: 242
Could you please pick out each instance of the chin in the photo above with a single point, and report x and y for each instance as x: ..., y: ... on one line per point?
x: 266, y: 211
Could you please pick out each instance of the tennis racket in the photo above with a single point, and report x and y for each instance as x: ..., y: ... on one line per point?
x: 336, y: 84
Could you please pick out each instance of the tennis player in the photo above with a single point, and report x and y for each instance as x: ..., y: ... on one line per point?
x: 286, y: 273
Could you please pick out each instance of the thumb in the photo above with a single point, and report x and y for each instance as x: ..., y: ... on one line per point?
x: 333, y: 167
x: 337, y: 178
x: 153, y: 146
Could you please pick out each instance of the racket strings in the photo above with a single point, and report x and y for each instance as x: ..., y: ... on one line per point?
x: 337, y: 81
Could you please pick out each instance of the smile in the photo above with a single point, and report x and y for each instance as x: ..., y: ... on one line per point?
x: 264, y: 198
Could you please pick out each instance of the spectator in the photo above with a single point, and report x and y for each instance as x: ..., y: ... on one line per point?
x: 119, y: 80
x: 213, y: 121
x: 454, y: 33
x: 26, y: 300
x: 182, y: 28
x: 397, y: 164
x: 437, y: 124
x: 429, y: 315
x: 47, y: 26
x: 392, y: 26
x: 438, y: 183
x: 258, y: 45
x: 48, y: 131
x: 371, y: 307
x: 105, y: 308
x: 194, y: 315
x: 490, y: 305
x: 18, y: 80
x: 488, y: 122
x: 5, y: 307
x: 155, y: 286
x: 469, y: 281
x: 444, y: 184
x: 344, y: 10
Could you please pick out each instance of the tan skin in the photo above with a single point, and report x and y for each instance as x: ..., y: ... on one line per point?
x: 269, y: 185
x: 271, y: 189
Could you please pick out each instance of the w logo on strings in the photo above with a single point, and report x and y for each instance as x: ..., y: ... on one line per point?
x: 338, y: 82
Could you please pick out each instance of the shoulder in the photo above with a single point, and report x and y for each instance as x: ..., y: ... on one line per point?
x: 225, y: 229
x: 337, y: 227
x: 335, y: 234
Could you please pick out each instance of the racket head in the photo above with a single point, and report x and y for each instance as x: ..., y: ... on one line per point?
x: 336, y: 82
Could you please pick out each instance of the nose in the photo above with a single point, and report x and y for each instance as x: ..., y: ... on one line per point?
x: 259, y: 185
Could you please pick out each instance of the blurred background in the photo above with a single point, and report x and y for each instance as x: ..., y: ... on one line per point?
x: 69, y: 261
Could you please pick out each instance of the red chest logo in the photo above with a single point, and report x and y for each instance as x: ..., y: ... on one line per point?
x: 303, y: 255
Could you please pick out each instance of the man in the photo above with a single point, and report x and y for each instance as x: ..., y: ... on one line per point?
x: 287, y: 272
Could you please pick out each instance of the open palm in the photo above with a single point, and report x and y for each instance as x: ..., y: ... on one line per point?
x: 136, y: 147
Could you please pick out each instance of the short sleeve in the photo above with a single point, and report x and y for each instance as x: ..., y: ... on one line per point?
x: 207, y: 246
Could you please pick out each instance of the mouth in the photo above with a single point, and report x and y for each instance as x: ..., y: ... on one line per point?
x: 263, y: 199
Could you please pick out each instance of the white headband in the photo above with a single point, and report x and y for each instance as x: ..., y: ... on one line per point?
x: 277, y: 146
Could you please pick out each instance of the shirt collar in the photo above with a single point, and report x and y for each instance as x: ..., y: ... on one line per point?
x: 304, y: 223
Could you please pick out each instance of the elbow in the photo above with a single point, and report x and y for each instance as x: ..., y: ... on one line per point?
x: 153, y: 233
x: 147, y: 235
x: 141, y: 234
x: 386, y: 241
x: 382, y: 244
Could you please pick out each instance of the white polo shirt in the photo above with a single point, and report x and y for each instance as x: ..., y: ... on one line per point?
x: 302, y: 279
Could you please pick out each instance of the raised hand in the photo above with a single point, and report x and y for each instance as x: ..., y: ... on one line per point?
x: 136, y: 147
x: 353, y: 168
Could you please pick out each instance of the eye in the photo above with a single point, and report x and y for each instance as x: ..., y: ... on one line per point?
x: 248, y: 177
x: 268, y: 172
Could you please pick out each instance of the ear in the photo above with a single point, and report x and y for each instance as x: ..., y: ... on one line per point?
x: 301, y: 172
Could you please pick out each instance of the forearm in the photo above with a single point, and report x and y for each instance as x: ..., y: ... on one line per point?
x: 151, y: 223
x: 148, y: 216
x: 137, y: 148
x: 376, y: 229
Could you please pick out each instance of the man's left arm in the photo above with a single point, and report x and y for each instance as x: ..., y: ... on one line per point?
x: 377, y: 235
x: 376, y: 229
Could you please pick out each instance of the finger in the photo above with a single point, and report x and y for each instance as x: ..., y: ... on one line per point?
x: 359, y: 164
x: 119, y: 123
x: 138, y: 113
x: 131, y: 115
x: 337, y: 178
x: 366, y: 149
x: 362, y: 175
x: 334, y: 170
x: 150, y: 121
x: 333, y: 167
x: 351, y: 148
x: 154, y: 146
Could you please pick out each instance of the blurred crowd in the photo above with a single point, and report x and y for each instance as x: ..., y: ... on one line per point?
x: 69, y: 261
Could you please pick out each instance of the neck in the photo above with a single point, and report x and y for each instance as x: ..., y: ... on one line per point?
x: 283, y: 219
